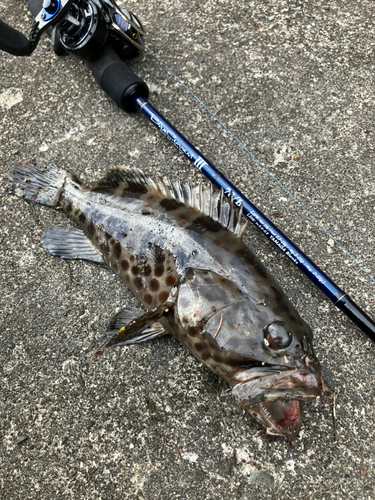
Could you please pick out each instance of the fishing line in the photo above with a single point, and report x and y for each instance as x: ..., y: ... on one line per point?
x: 259, y: 162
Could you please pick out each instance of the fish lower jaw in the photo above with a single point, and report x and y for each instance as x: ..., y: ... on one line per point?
x: 280, y: 418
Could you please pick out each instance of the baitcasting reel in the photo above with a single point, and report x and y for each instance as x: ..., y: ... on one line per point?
x: 89, y: 25
x: 97, y: 30
x: 83, y: 27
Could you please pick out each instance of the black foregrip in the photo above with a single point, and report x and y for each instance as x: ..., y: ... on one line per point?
x: 358, y: 317
x: 13, y: 41
x: 117, y: 79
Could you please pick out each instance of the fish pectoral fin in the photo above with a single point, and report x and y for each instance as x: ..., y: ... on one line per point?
x: 70, y: 243
x: 126, y: 316
x: 138, y: 330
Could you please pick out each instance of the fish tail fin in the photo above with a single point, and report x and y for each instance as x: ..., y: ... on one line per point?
x: 41, y: 183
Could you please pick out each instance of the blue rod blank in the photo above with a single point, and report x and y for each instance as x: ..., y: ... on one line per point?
x: 311, y: 270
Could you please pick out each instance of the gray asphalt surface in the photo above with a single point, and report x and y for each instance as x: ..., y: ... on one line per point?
x: 295, y: 82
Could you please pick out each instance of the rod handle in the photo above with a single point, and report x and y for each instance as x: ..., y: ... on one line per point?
x: 117, y: 79
x: 13, y: 42
x: 359, y: 317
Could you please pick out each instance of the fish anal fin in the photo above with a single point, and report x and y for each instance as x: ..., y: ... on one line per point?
x: 70, y: 243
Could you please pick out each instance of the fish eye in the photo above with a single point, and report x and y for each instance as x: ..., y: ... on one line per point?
x: 277, y: 335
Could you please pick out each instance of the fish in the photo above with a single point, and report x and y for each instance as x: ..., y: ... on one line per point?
x: 180, y: 249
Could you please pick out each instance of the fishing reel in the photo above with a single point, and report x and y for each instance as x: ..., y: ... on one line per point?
x: 83, y: 27
x: 97, y: 30
x: 91, y: 25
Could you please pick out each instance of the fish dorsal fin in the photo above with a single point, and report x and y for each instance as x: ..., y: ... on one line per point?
x: 212, y: 204
x: 120, y: 178
x: 215, y: 205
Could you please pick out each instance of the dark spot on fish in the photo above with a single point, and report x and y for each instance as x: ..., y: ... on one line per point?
x: 194, y: 331
x: 76, y: 212
x: 146, y: 271
x: 112, y: 241
x: 159, y: 270
x: 170, y: 280
x: 134, y: 189
x: 154, y: 285
x: 147, y: 299
x: 163, y: 296
x: 104, y: 189
x: 235, y: 360
x: 125, y: 265
x: 82, y: 217
x: 91, y: 229
x: 205, y: 356
x: 132, y: 258
x: 182, y: 217
x: 170, y: 205
x: 217, y: 357
x: 68, y: 207
x: 202, y: 224
x: 260, y: 271
x: 138, y: 283
x: 199, y: 347
x: 246, y: 255
x: 135, y: 270
x: 117, y: 250
x: 282, y: 307
x: 159, y: 254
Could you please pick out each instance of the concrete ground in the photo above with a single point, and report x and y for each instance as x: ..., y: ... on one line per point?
x: 295, y: 82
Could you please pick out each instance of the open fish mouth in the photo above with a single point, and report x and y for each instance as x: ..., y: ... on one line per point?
x: 280, y: 417
x: 272, y: 396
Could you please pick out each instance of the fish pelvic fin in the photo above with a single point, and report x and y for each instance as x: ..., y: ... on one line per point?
x: 126, y: 316
x: 137, y: 330
x: 132, y: 182
x: 41, y: 183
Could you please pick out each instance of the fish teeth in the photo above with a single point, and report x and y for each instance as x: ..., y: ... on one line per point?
x: 268, y: 415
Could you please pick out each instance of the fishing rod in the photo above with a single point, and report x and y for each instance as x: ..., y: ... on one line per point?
x: 105, y: 35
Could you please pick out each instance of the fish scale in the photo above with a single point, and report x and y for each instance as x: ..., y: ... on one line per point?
x: 180, y: 250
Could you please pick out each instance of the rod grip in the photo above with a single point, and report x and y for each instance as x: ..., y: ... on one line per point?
x: 358, y: 317
x: 117, y: 79
x: 13, y: 42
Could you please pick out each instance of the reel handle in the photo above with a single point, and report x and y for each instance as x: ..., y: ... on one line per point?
x: 117, y: 79
x: 13, y: 42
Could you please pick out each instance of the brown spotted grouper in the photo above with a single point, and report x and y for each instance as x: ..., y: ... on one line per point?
x: 180, y: 250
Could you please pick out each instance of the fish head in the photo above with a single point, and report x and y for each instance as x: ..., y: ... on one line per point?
x: 289, y: 373
x: 265, y: 353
